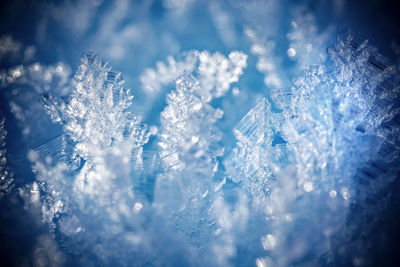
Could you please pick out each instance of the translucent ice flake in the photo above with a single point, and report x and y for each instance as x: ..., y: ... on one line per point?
x: 254, y: 158
x: 215, y: 72
x: 57, y: 150
x: 268, y: 242
x: 87, y: 173
x: 187, y: 134
x: 335, y: 131
x: 254, y: 128
x: 97, y: 122
x: 358, y: 62
x: 281, y: 97
x: 153, y: 80
x: 337, y: 137
x: 96, y: 117
x: 188, y: 150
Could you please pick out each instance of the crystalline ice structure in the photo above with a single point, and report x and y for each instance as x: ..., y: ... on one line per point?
x: 153, y: 80
x: 86, y: 175
x: 255, y: 158
x: 334, y: 150
x: 215, y: 72
x: 187, y: 134
x: 188, y: 150
x: 97, y: 122
x: 99, y: 93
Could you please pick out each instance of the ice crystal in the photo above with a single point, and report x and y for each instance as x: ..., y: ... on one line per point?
x: 187, y: 132
x: 188, y: 137
x: 329, y: 113
x: 249, y: 161
x: 188, y: 150
x: 153, y: 80
x: 98, y: 93
x: 96, y: 122
x: 81, y: 171
x: 215, y: 72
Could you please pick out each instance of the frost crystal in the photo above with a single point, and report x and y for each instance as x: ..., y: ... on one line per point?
x: 153, y: 80
x: 87, y: 172
x: 249, y: 161
x: 215, y: 72
x: 187, y: 134
x: 189, y: 147
x: 96, y: 117
x: 336, y: 134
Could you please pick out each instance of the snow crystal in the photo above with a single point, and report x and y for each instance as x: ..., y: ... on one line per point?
x: 82, y: 171
x: 187, y: 118
x: 215, y: 72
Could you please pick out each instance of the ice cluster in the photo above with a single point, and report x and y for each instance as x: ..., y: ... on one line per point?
x: 311, y: 163
x: 87, y: 171
x: 331, y: 144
